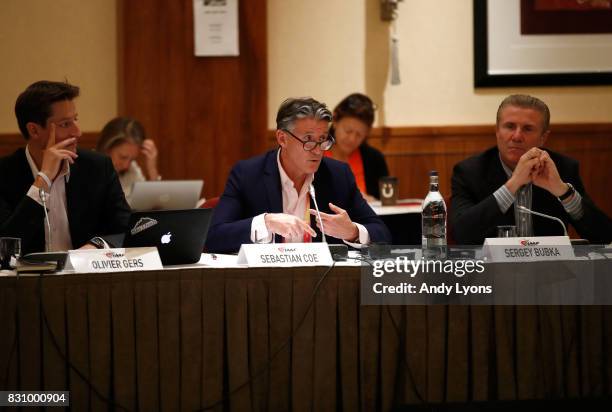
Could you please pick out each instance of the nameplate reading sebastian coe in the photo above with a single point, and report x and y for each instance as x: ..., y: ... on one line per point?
x: 285, y: 254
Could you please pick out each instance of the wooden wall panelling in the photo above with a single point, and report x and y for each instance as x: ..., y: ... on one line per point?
x: 412, y: 152
x: 205, y: 113
x: 9, y: 142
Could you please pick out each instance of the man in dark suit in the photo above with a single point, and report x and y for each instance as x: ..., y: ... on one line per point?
x: 80, y: 188
x: 488, y: 188
x: 268, y: 195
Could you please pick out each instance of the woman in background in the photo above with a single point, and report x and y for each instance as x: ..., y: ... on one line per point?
x: 123, y: 140
x: 353, y: 119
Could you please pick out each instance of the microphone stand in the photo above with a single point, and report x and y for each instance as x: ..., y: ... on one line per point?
x: 524, y: 209
x: 338, y: 252
x: 314, y: 199
x: 43, y: 198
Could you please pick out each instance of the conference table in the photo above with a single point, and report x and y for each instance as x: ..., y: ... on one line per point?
x: 234, y: 338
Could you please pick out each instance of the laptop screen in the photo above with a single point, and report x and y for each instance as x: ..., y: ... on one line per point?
x: 179, y: 235
x: 165, y: 194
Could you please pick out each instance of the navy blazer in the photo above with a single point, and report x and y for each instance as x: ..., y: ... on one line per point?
x: 254, y: 187
x: 475, y: 214
x: 95, y: 202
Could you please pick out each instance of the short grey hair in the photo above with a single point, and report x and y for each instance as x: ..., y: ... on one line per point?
x: 525, y: 101
x: 296, y: 108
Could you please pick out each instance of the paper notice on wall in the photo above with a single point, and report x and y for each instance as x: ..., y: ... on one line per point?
x: 216, y: 27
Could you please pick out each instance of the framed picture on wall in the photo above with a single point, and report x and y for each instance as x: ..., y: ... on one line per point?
x: 506, y: 53
x: 566, y: 16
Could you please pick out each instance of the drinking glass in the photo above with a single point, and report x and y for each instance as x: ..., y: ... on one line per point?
x: 10, y: 251
x: 506, y: 231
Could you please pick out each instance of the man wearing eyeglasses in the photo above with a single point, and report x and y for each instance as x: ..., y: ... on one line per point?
x: 267, y: 197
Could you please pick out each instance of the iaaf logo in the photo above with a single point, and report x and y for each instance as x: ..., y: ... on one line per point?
x: 285, y: 249
x: 114, y: 255
x: 526, y: 242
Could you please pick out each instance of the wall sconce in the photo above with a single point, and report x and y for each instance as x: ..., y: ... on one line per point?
x: 388, y: 9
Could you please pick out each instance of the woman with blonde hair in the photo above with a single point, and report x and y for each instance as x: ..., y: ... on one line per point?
x: 123, y: 140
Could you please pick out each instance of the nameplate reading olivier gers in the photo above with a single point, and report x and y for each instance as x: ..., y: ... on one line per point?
x: 285, y: 254
x: 115, y: 260
x: 528, y: 249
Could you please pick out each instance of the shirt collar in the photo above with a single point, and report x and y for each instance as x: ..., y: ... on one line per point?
x: 286, y: 180
x: 504, y: 166
x: 34, y: 169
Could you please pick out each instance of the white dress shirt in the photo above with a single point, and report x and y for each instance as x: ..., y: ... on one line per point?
x: 56, y: 207
x: 129, y: 177
x: 295, y: 204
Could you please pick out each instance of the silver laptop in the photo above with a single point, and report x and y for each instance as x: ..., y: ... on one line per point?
x: 165, y: 194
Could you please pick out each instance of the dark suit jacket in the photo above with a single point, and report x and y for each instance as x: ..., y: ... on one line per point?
x: 254, y: 187
x: 95, y: 202
x: 475, y: 214
x: 374, y: 167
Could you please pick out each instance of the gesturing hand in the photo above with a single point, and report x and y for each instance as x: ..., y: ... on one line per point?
x: 149, y: 151
x: 338, y: 225
x: 55, y: 153
x: 288, y: 226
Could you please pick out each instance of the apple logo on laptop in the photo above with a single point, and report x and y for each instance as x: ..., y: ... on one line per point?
x: 166, y: 238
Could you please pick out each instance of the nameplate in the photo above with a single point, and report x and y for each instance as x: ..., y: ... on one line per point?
x: 528, y: 249
x: 285, y: 254
x: 115, y: 260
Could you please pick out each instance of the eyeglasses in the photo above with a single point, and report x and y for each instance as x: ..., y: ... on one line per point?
x: 309, y: 145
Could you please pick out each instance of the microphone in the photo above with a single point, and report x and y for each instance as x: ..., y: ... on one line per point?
x: 43, y: 199
x: 524, y: 209
x: 314, y: 199
x: 338, y: 252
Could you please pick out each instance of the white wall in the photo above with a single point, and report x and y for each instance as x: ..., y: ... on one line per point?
x: 57, y: 40
x: 315, y: 48
x: 436, y: 64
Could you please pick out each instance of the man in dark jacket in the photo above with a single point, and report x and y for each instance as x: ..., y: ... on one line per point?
x: 488, y: 189
x: 80, y: 188
x: 269, y: 195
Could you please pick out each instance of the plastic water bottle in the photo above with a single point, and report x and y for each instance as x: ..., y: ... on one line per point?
x: 434, y: 221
